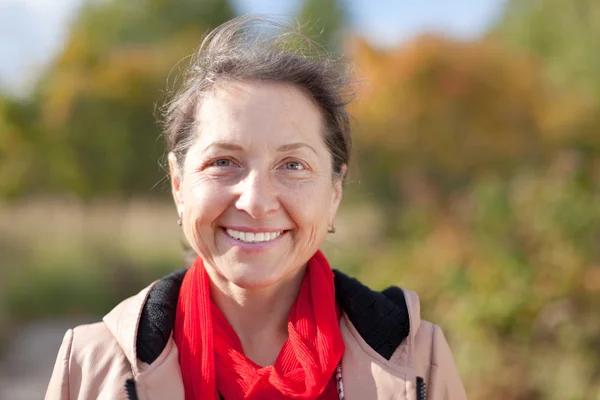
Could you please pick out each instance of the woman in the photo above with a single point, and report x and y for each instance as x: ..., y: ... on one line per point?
x: 259, y: 142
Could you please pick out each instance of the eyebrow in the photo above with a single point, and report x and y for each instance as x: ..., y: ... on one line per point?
x: 294, y: 146
x: 224, y: 145
x: 237, y: 147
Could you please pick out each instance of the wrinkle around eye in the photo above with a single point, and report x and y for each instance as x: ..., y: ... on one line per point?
x: 209, y: 171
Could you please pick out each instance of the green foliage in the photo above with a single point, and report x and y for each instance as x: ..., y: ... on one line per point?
x: 324, y: 21
x: 106, y: 25
x: 98, y: 282
x: 563, y: 35
x: 485, y: 167
x: 510, y: 270
x: 92, y: 111
x: 478, y: 162
x: 74, y: 258
x: 441, y: 113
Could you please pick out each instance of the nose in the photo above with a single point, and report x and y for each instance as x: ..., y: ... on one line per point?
x: 257, y: 195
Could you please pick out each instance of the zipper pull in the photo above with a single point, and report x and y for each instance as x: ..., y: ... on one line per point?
x: 421, y: 389
x: 130, y: 389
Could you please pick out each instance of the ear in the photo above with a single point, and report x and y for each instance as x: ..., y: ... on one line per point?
x: 176, y: 183
x: 338, y: 189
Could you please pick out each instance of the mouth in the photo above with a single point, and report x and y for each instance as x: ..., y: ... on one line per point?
x: 253, y: 237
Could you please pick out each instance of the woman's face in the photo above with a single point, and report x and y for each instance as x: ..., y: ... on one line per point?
x: 256, y: 192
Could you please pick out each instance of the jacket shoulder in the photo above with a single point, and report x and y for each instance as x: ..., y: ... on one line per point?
x: 89, y: 342
x: 435, y: 364
x: 418, y: 345
x: 89, y: 363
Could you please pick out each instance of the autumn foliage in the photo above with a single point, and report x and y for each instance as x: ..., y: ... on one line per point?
x: 486, y: 174
x: 449, y: 112
x: 480, y: 161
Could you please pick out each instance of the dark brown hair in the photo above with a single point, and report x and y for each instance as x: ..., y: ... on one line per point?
x: 261, y: 48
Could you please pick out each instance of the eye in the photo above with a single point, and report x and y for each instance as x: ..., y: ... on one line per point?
x: 293, y: 165
x: 222, y: 162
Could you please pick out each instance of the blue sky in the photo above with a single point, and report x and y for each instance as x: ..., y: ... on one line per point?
x: 388, y: 22
x: 32, y: 31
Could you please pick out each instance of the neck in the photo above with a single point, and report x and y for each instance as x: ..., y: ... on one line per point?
x: 259, y: 316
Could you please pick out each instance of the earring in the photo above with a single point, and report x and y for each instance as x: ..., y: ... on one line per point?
x: 179, y: 220
x: 331, y: 229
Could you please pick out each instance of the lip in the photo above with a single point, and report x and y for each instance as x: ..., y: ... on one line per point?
x: 253, y: 247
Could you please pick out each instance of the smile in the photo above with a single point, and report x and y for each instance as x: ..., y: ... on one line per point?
x: 253, y: 237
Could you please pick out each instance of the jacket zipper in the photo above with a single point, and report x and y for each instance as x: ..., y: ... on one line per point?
x: 130, y: 388
x: 421, y: 389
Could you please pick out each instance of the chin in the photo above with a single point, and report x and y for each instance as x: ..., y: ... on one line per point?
x: 253, y: 276
x: 251, y: 281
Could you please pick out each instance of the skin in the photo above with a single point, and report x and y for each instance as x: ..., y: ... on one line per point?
x: 259, y: 163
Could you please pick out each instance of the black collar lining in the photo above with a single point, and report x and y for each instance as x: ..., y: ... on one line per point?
x: 381, y: 319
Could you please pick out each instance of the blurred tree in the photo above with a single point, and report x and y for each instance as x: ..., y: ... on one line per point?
x: 97, y: 97
x: 440, y: 113
x: 19, y: 138
x: 324, y: 21
x: 511, y: 272
x: 563, y: 34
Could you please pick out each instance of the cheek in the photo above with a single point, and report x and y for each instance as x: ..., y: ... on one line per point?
x: 204, y: 203
x: 309, y: 207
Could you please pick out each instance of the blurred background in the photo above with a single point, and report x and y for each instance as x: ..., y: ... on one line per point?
x: 475, y: 179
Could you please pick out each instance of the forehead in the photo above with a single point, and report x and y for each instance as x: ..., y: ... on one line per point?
x: 255, y: 111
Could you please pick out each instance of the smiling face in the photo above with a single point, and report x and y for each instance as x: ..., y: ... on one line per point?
x: 256, y: 192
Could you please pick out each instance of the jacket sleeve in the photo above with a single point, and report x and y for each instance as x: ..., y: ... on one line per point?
x: 444, y: 380
x: 59, y: 382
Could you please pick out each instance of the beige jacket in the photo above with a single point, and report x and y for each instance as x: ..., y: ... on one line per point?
x: 95, y: 361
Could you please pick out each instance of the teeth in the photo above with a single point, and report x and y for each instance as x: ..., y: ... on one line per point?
x: 251, y: 237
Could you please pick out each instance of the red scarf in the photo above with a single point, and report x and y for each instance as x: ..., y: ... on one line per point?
x: 212, y: 359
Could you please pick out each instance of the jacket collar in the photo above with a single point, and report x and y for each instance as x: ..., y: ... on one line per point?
x: 122, y: 322
x: 143, y: 323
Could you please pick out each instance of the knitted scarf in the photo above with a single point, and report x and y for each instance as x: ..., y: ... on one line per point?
x: 212, y: 359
